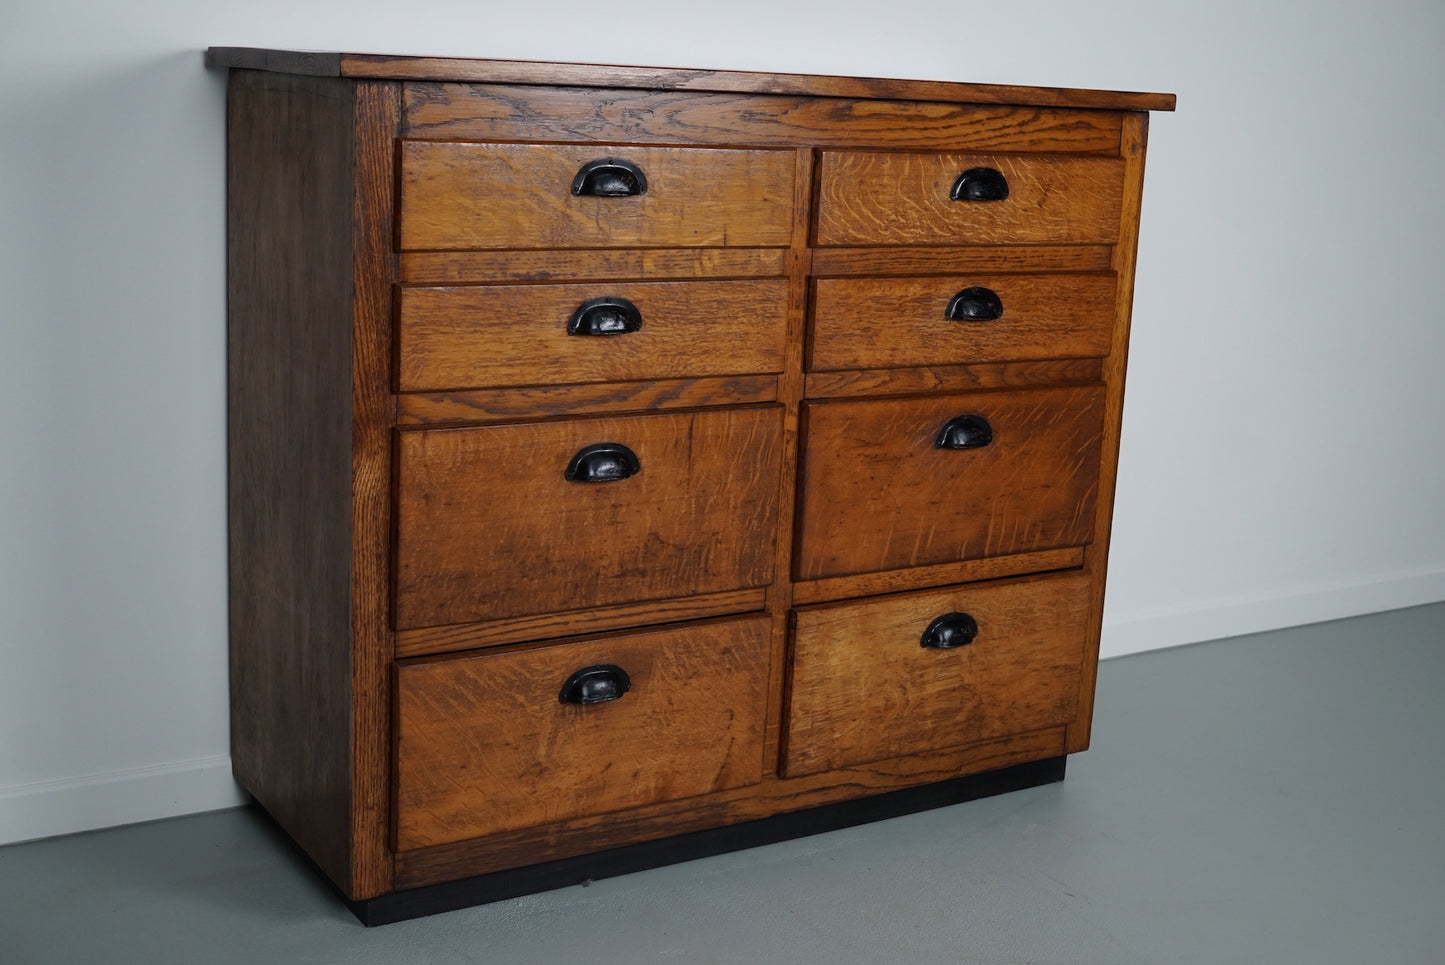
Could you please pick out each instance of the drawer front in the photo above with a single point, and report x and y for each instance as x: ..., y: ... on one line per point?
x: 894, y: 198
x: 864, y: 688
x: 486, y: 744
x: 469, y: 195
x: 489, y: 526
x: 512, y: 335
x: 878, y: 493
x: 864, y: 323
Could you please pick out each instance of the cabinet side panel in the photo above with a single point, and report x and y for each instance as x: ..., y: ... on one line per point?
x: 289, y: 213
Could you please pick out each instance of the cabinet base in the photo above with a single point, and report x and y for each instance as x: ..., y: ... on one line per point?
x: 499, y: 885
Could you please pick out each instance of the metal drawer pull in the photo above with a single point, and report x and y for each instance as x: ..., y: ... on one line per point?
x: 964, y: 432
x: 980, y: 184
x: 609, y: 177
x: 949, y: 631
x: 976, y: 304
x: 605, y: 316
x: 596, y: 684
x: 603, y: 462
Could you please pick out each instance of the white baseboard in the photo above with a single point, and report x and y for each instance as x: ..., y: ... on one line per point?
x: 1126, y: 633
x: 49, y: 808
x: 86, y: 803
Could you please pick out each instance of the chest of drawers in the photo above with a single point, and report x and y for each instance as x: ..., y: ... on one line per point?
x: 629, y: 464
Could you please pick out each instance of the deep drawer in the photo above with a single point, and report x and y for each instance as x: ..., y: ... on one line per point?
x: 486, y: 744
x: 864, y: 688
x: 879, y: 494
x: 895, y: 198
x: 489, y: 526
x: 510, y: 335
x: 862, y: 323
x: 470, y: 195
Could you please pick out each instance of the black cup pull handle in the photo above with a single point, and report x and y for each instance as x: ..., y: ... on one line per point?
x: 976, y: 304
x: 603, y: 462
x: 609, y: 177
x: 980, y: 184
x: 605, y: 316
x: 596, y: 684
x: 949, y: 631
x: 964, y: 432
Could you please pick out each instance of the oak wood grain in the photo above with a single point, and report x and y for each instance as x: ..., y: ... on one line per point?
x: 509, y: 335
x: 952, y: 378
x: 864, y: 689
x: 486, y: 112
x: 536, y: 402
x: 598, y: 264
x: 894, y: 198
x: 488, y: 527
x: 949, y: 260
x: 404, y: 67
x: 771, y: 796
x: 469, y: 195
x: 471, y: 636
x: 485, y: 745
x: 872, y: 323
x: 878, y: 495
x: 942, y: 574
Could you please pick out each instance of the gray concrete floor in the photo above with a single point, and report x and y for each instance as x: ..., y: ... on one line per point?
x: 1270, y: 799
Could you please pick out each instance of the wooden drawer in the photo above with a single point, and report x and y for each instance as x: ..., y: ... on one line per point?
x: 878, y: 494
x: 513, y: 335
x: 863, y: 323
x: 469, y: 195
x: 485, y: 743
x: 864, y: 688
x: 489, y: 526
x: 895, y: 198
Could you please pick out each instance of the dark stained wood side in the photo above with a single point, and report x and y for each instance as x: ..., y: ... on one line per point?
x: 1136, y: 136
x: 772, y: 796
x: 487, y: 112
x: 289, y: 203
x: 373, y: 409
x: 394, y: 67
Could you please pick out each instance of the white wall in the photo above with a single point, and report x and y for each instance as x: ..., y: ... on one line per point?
x: 1283, y: 434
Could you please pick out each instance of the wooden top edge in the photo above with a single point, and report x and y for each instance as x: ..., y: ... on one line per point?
x: 385, y: 67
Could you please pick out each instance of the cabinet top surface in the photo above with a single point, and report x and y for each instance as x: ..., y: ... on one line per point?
x: 467, y: 70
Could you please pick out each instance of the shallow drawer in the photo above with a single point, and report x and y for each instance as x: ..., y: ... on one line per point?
x: 861, y: 323
x: 1002, y: 658
x: 880, y: 494
x: 498, y: 741
x: 893, y: 198
x: 469, y: 195
x: 489, y: 525
x: 509, y: 335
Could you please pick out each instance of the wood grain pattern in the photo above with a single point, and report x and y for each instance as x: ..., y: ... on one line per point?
x: 598, y: 264
x: 472, y: 636
x: 510, y: 335
x: 879, y: 323
x: 942, y: 574
x: 484, y: 745
x: 892, y: 198
x: 877, y: 494
x: 467, y: 195
x: 946, y: 260
x: 771, y: 796
x: 952, y: 378
x: 395, y: 67
x: 536, y: 402
x: 487, y: 112
x: 1136, y: 134
x: 289, y: 219
x: 863, y: 688
x: 489, y: 528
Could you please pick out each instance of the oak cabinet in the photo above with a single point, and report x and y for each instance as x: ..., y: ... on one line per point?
x: 633, y: 464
